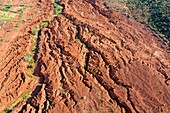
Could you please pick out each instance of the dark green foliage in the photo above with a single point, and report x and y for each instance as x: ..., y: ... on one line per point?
x: 57, y: 9
x: 16, y: 25
x: 160, y: 17
x: 43, y: 23
x: 29, y: 58
x: 154, y: 13
x: 31, y: 64
x: 8, y: 111
x: 7, y: 7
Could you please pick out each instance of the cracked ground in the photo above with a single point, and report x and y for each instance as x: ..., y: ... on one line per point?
x: 87, y: 59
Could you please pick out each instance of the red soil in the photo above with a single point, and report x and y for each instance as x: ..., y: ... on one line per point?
x: 88, y: 59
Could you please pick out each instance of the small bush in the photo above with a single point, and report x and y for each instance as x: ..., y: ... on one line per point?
x: 16, y: 25
x: 43, y: 23
x: 57, y: 9
x: 78, y: 40
x: 7, y: 7
x: 34, y: 31
x: 7, y: 111
x: 30, y: 75
x: 20, y: 13
x: 27, y: 57
x: 31, y: 64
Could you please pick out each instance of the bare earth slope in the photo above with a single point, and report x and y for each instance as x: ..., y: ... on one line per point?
x: 87, y: 60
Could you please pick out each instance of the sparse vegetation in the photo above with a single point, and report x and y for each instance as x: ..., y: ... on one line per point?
x: 154, y: 13
x: 30, y: 75
x: 4, y: 16
x: 20, y: 12
x: 7, y: 111
x: 27, y: 57
x: 7, y: 8
x: 57, y: 1
x: 77, y: 31
x: 34, y: 31
x: 31, y: 64
x: 8, y: 13
x: 78, y: 40
x: 16, y: 25
x: 23, y: 96
x: 23, y: 21
x: 43, y: 23
x: 33, y: 48
x: 57, y: 9
x: 34, y: 41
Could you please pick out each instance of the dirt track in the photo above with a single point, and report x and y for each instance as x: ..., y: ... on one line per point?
x: 88, y: 59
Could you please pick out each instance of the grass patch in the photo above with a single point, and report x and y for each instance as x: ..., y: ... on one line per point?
x: 34, y: 31
x: 31, y: 64
x: 77, y: 31
x: 30, y: 75
x: 27, y: 57
x: 23, y: 21
x: 34, y: 49
x: 24, y: 6
x: 8, y: 110
x: 57, y: 9
x: 78, y: 40
x: 20, y: 12
x: 43, y: 23
x: 16, y: 25
x: 23, y: 97
x: 5, y: 16
x: 7, y: 8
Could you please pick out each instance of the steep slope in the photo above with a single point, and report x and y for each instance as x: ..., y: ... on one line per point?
x: 87, y: 59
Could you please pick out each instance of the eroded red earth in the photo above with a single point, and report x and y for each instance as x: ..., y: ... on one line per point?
x: 88, y: 60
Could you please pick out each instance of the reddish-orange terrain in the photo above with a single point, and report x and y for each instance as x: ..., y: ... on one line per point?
x: 87, y: 59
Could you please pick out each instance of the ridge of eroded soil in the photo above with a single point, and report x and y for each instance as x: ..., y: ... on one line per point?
x: 88, y: 59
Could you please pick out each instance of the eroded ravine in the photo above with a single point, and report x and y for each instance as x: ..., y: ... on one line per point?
x: 89, y: 59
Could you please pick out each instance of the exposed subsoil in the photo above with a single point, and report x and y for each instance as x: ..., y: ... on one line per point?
x: 88, y: 60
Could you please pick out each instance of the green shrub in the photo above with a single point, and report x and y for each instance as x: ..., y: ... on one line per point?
x: 30, y: 75
x: 8, y: 111
x: 31, y: 64
x: 27, y: 57
x: 43, y: 23
x: 13, y: 104
x: 57, y: 9
x: 16, y: 25
x: 20, y: 13
x: 7, y: 7
x: 34, y: 31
